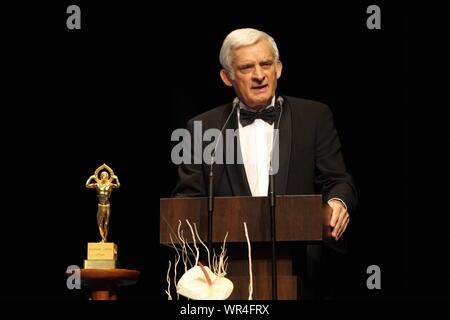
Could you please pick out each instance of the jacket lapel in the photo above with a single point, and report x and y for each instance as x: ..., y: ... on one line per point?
x: 235, y: 172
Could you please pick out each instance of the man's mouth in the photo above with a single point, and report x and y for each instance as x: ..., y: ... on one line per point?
x: 260, y: 87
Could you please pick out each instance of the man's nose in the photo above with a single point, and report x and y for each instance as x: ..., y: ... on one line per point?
x: 258, y: 74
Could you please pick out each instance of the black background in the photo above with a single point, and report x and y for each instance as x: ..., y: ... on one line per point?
x: 116, y: 89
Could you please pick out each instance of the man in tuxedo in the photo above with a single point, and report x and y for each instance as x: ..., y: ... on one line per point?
x: 309, y: 150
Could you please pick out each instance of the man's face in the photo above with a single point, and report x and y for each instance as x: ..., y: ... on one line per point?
x: 255, y: 77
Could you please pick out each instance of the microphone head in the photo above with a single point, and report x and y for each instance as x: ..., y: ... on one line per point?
x: 280, y: 101
x: 235, y: 102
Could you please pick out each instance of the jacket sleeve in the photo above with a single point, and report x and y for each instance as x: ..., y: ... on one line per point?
x: 331, y: 176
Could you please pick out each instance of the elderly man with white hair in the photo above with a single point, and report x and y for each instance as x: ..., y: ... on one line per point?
x: 309, y: 158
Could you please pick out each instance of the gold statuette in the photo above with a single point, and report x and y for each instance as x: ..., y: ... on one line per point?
x: 104, y: 187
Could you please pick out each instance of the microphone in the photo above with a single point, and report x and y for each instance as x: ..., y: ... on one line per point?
x: 278, y: 102
x: 211, y: 177
x: 272, y: 203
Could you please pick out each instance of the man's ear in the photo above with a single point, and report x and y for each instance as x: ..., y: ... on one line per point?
x: 279, y: 69
x: 225, y: 78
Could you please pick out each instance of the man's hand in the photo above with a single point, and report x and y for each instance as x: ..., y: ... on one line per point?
x: 339, y: 218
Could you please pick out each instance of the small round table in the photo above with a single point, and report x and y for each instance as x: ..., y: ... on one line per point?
x: 101, y: 283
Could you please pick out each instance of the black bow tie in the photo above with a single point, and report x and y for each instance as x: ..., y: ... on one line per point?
x: 247, y: 117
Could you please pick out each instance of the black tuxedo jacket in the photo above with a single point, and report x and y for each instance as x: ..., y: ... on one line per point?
x: 310, y: 158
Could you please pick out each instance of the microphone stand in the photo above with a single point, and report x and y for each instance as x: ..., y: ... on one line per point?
x: 273, y: 235
x: 210, y: 208
x: 272, y: 205
x: 211, y: 180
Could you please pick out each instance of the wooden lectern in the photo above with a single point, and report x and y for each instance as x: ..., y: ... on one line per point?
x: 299, y: 219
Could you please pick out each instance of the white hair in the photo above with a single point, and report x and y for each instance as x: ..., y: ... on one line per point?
x: 243, y: 37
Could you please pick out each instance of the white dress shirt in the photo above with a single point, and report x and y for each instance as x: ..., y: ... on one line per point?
x: 256, y: 144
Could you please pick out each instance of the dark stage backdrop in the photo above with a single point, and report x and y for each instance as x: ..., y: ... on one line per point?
x: 115, y: 90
